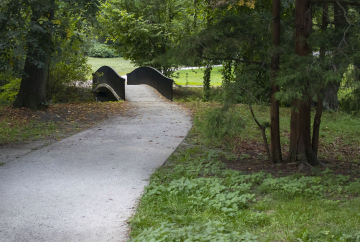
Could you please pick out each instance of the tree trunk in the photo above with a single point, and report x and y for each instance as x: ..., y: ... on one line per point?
x: 274, y: 113
x: 319, y: 107
x: 32, y: 89
x: 39, y: 49
x: 300, y: 135
x: 330, y: 100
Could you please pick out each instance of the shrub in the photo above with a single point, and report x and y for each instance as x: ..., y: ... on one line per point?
x: 68, y: 69
x: 351, y: 102
x: 220, y: 126
x: 102, y: 51
x: 9, y: 91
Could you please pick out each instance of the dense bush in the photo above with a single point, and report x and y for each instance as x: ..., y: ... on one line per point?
x: 68, y: 73
x: 102, y: 51
x: 9, y: 91
x: 219, y: 125
x: 351, y: 102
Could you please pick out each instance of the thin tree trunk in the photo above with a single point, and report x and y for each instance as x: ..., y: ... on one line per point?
x: 263, y: 132
x: 316, y: 126
x: 330, y: 99
x: 319, y: 107
x: 274, y: 113
x: 300, y: 135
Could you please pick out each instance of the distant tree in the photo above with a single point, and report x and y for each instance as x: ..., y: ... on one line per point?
x: 145, y: 30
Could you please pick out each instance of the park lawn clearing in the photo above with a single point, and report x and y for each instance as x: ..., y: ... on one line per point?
x: 225, y: 190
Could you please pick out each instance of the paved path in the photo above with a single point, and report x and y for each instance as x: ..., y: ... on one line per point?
x: 85, y: 187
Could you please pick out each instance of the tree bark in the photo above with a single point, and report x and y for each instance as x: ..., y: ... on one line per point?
x: 274, y: 112
x: 330, y: 100
x: 319, y: 107
x: 39, y: 49
x: 32, y: 89
x: 343, y: 2
x: 300, y: 135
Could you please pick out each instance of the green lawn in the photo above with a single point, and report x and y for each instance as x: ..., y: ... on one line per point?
x: 195, y: 77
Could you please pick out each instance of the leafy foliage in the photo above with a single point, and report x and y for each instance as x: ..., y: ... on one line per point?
x: 351, y: 102
x: 31, y: 32
x: 227, y: 122
x: 211, y: 231
x: 102, y: 51
x: 9, y: 91
x: 143, y: 31
x: 68, y: 72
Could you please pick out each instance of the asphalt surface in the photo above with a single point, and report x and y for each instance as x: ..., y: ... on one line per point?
x: 85, y: 187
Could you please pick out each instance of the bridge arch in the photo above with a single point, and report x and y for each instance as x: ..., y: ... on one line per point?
x: 108, y: 85
x: 152, y: 77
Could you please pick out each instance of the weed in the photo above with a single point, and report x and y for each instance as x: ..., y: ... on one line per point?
x: 211, y: 231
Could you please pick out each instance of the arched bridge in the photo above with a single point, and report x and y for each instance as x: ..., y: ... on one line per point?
x: 109, y: 86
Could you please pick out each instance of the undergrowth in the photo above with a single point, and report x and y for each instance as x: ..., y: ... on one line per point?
x: 195, y: 198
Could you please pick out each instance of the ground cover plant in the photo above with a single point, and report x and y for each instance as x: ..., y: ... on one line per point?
x: 223, y: 188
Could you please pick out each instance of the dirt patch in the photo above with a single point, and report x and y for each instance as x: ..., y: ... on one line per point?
x: 251, y: 158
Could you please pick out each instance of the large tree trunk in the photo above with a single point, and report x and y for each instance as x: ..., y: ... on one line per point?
x: 40, y: 47
x: 32, y: 89
x: 274, y: 113
x: 300, y: 135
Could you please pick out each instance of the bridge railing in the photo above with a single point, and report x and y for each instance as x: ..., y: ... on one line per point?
x: 108, y: 85
x: 152, y: 77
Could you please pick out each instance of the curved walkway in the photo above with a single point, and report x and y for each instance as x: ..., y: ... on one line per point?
x: 85, y: 187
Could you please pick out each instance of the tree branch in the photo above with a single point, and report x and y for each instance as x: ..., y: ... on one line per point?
x: 343, y: 2
x: 234, y: 59
x: 262, y: 128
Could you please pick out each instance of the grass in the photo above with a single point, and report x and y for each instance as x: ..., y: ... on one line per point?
x: 195, y: 197
x: 16, y: 130
x: 194, y: 77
